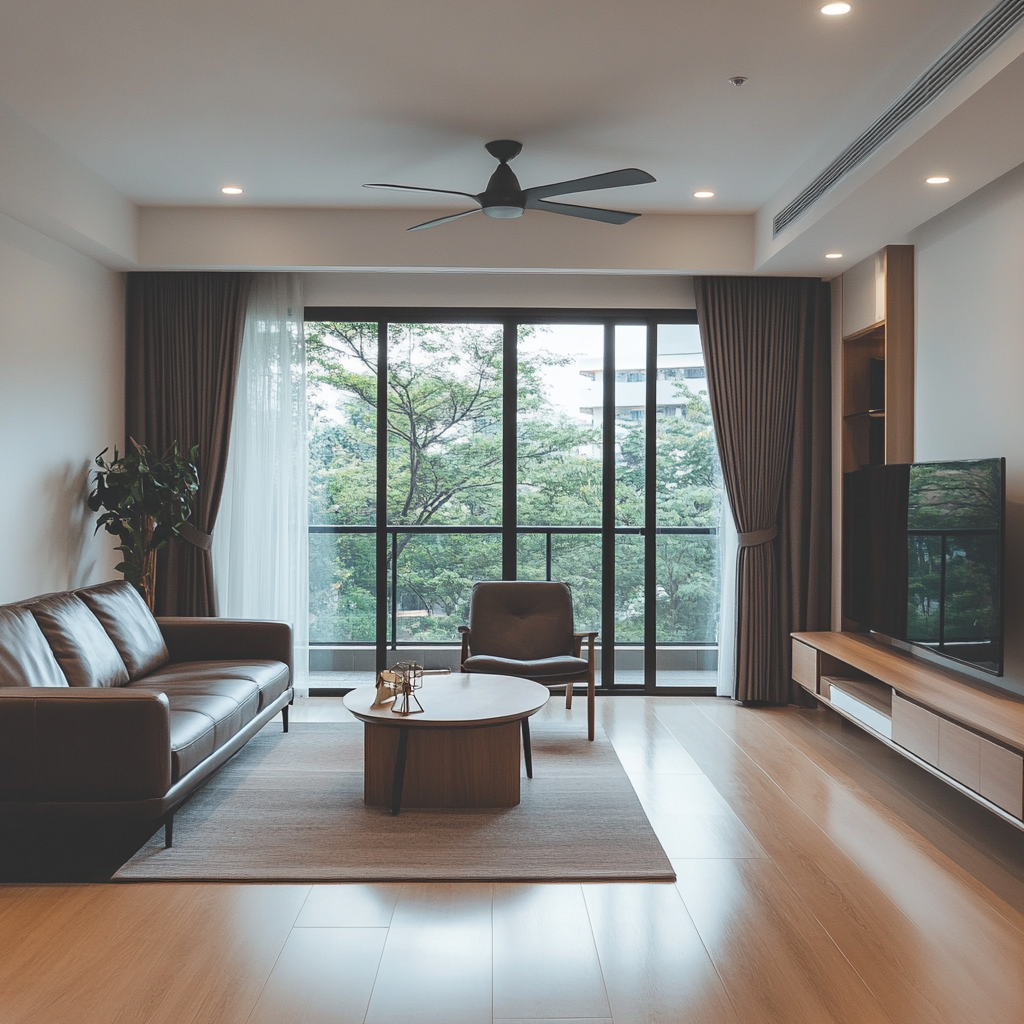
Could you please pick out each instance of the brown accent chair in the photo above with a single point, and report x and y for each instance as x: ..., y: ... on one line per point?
x: 522, y: 628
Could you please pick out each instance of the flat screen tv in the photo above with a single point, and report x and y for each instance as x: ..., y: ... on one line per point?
x: 923, y: 556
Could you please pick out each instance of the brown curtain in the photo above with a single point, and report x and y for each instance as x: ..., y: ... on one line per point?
x: 184, y: 338
x: 766, y: 345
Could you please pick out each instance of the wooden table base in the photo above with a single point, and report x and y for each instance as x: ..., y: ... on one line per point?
x: 475, y: 766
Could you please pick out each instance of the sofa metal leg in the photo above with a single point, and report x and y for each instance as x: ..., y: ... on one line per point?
x: 527, y: 750
x: 400, y: 758
x: 284, y: 717
x: 568, y: 695
x: 168, y: 831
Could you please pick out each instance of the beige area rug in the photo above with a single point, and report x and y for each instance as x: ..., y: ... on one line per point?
x: 289, y: 807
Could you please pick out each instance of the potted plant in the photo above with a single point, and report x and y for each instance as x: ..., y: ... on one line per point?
x: 146, y: 501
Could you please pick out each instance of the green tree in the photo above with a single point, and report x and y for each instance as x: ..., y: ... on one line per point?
x: 444, y: 408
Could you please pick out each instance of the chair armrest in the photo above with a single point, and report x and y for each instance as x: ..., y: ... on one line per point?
x: 83, y: 744
x: 207, y: 639
x: 464, y: 633
x: 578, y: 639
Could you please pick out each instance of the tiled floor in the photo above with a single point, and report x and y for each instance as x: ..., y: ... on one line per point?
x: 820, y: 879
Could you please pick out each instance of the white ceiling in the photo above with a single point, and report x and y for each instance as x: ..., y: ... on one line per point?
x: 301, y: 102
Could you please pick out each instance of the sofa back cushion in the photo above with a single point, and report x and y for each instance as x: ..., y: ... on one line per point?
x: 83, y: 650
x: 25, y: 656
x: 129, y: 623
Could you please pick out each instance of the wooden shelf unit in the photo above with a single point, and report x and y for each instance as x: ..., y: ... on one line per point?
x: 968, y: 733
x: 884, y: 350
x: 877, y: 425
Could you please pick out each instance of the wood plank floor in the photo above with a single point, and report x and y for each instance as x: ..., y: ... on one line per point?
x: 821, y: 878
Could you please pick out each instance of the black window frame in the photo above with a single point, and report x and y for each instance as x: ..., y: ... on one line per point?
x: 509, y: 318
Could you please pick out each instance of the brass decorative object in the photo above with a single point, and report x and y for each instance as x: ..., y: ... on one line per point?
x: 396, y: 685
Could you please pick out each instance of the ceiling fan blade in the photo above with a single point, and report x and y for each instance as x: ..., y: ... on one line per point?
x: 584, y: 212
x: 610, y: 179
x: 441, y: 220
x: 416, y: 188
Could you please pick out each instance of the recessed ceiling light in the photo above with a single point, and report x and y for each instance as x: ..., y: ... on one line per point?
x: 836, y: 9
x: 231, y: 190
x: 833, y: 255
x: 939, y: 179
x: 703, y: 194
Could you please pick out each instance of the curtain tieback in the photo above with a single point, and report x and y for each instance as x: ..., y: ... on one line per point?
x: 758, y: 537
x: 203, y: 541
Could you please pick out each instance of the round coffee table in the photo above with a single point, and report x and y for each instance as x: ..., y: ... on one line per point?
x: 461, y: 751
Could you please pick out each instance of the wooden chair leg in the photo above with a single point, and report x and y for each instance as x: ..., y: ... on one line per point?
x: 568, y: 695
x: 590, y: 707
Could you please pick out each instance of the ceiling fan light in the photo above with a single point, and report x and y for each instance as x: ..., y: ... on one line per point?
x: 503, y: 212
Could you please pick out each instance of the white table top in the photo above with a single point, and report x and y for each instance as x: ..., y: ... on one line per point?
x: 461, y: 699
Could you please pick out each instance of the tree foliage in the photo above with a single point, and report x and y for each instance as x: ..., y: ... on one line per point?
x: 444, y: 430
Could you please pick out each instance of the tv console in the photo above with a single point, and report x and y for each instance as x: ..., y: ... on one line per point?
x: 968, y: 733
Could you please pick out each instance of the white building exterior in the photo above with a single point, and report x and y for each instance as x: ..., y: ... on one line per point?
x: 680, y: 361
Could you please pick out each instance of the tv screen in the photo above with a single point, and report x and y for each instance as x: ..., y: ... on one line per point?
x: 924, y: 556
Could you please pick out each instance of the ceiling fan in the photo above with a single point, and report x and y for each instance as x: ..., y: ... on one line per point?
x: 504, y: 198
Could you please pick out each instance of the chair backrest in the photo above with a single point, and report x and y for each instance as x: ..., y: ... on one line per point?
x: 521, y: 619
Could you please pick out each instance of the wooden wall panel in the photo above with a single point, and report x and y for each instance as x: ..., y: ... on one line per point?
x: 899, y: 353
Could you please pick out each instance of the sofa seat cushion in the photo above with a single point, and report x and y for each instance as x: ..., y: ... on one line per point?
x: 243, y: 692
x: 86, y: 655
x: 25, y: 656
x: 192, y: 741
x: 541, y: 669
x: 270, y: 677
x: 223, y: 712
x: 129, y: 623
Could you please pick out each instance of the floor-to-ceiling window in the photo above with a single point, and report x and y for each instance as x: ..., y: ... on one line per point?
x: 453, y: 446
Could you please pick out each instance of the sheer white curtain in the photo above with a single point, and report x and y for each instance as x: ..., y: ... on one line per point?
x: 728, y: 546
x: 260, y: 546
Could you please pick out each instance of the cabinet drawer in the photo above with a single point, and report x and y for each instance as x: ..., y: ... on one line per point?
x: 960, y: 754
x: 1002, y: 777
x: 916, y: 729
x: 805, y: 666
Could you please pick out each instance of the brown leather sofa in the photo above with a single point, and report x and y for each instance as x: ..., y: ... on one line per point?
x: 107, y: 713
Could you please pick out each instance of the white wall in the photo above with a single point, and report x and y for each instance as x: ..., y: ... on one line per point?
x: 44, y: 187
x: 61, y: 402
x: 970, y: 358
x: 285, y: 238
x: 538, y: 291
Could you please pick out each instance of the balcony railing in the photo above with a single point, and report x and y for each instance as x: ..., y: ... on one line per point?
x: 547, y: 532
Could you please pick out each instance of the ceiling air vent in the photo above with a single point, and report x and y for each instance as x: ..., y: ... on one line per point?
x: 999, y: 22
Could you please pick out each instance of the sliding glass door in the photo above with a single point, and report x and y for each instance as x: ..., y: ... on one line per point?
x: 449, y: 447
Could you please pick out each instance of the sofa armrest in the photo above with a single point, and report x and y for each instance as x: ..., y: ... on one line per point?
x: 209, y: 639
x: 84, y: 744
